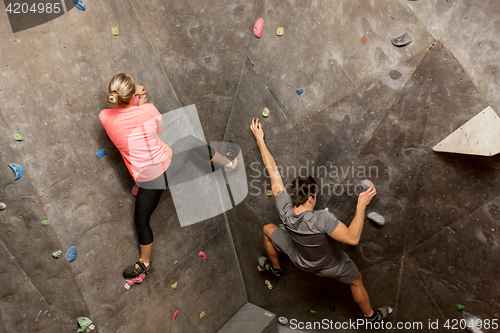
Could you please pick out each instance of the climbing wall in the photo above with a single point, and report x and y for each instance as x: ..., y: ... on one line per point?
x: 53, y: 85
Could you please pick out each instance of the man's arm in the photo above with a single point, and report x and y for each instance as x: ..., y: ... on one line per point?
x: 267, y: 158
x: 351, y: 235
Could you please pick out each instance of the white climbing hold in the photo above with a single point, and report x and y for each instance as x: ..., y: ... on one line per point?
x: 376, y: 217
x: 478, y: 136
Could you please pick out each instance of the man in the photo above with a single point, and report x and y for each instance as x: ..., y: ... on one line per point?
x: 311, y: 237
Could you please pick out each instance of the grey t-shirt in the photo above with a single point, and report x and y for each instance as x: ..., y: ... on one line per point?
x: 310, y: 232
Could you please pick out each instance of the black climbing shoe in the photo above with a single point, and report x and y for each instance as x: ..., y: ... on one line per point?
x: 265, y: 265
x: 380, y: 314
x: 136, y: 269
x: 231, y: 152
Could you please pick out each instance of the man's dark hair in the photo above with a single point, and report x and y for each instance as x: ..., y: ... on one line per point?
x: 302, y: 188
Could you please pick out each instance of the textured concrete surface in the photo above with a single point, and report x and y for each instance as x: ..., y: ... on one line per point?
x: 366, y: 104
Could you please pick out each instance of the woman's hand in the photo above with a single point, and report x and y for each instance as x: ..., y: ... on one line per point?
x: 257, y: 130
x: 143, y: 100
x: 140, y: 90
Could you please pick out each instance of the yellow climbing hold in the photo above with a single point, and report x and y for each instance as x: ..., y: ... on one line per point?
x: 202, y: 314
x: 269, y: 193
x: 280, y: 31
x: 114, y: 31
x: 174, y: 286
x: 266, y: 112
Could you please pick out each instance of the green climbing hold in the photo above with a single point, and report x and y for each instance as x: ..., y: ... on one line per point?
x: 18, y: 137
x: 45, y: 223
x: 57, y: 254
x: 460, y: 307
x: 312, y: 311
x: 282, y: 226
x: 85, y: 324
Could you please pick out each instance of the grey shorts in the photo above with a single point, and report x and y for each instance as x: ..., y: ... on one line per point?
x: 344, y: 272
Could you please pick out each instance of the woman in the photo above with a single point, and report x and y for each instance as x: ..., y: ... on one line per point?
x: 133, y: 126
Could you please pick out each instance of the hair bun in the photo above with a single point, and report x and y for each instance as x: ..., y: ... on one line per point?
x: 113, y: 98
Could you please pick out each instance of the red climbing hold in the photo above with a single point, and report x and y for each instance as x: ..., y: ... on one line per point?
x: 203, y: 255
x: 258, y: 27
x: 176, y: 313
x: 135, y: 189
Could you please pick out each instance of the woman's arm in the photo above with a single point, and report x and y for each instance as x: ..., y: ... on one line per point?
x: 160, y: 126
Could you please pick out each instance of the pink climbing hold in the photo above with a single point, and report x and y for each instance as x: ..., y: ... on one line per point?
x: 203, y: 255
x: 258, y: 27
x: 135, y: 280
x: 135, y: 189
x: 176, y: 313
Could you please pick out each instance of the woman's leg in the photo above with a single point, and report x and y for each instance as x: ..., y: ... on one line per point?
x: 145, y: 205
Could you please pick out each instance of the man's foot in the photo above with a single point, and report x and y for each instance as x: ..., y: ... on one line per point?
x: 265, y: 265
x: 136, y: 269
x: 380, y: 314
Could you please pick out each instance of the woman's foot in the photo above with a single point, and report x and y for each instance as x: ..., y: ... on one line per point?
x: 136, y: 269
x: 232, y: 151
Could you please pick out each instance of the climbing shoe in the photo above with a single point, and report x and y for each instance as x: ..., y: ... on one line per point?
x: 136, y: 269
x: 265, y: 265
x: 380, y: 314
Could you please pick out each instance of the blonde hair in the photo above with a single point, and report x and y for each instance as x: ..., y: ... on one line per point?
x: 121, y: 90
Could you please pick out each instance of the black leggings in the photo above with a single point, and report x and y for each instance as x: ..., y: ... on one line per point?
x: 147, y: 199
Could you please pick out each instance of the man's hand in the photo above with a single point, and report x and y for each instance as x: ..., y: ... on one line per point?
x: 257, y: 130
x: 366, y: 197
x: 140, y: 90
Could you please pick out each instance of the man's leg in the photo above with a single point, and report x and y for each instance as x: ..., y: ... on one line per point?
x: 361, y: 296
x: 272, y: 253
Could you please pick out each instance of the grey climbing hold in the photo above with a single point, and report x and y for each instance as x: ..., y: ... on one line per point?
x: 377, y: 218
x: 472, y: 322
x: 283, y: 320
x: 2, y: 206
x: 366, y: 184
x: 402, y: 40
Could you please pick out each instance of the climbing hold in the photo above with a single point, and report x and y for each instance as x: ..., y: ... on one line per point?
x: 71, y: 254
x: 266, y: 112
x: 473, y: 323
x: 460, y: 307
x: 114, y: 31
x: 201, y: 254
x: 202, y: 315
x: 332, y: 307
x: 135, y: 189
x: 283, y: 320
x: 402, y: 40
x: 57, y: 254
x: 82, y: 6
x: 19, y: 172
x: 2, y: 206
x: 313, y: 312
x: 280, y: 31
x: 268, y: 284
x: 269, y: 193
x: 45, y: 223
x: 85, y: 324
x: 364, y: 40
x: 174, y: 286
x: 300, y: 91
x: 101, y: 153
x: 327, y: 209
x: 366, y: 184
x: 282, y: 226
x: 258, y: 27
x: 131, y: 281
x: 18, y: 137
x: 137, y: 99
x: 176, y: 313
x: 376, y: 217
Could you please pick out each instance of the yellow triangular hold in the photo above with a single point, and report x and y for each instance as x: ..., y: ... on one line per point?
x: 478, y: 136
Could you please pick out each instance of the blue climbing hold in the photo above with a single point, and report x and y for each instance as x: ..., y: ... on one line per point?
x: 71, y: 254
x: 101, y: 153
x: 17, y: 170
x: 80, y: 4
x: 300, y: 91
